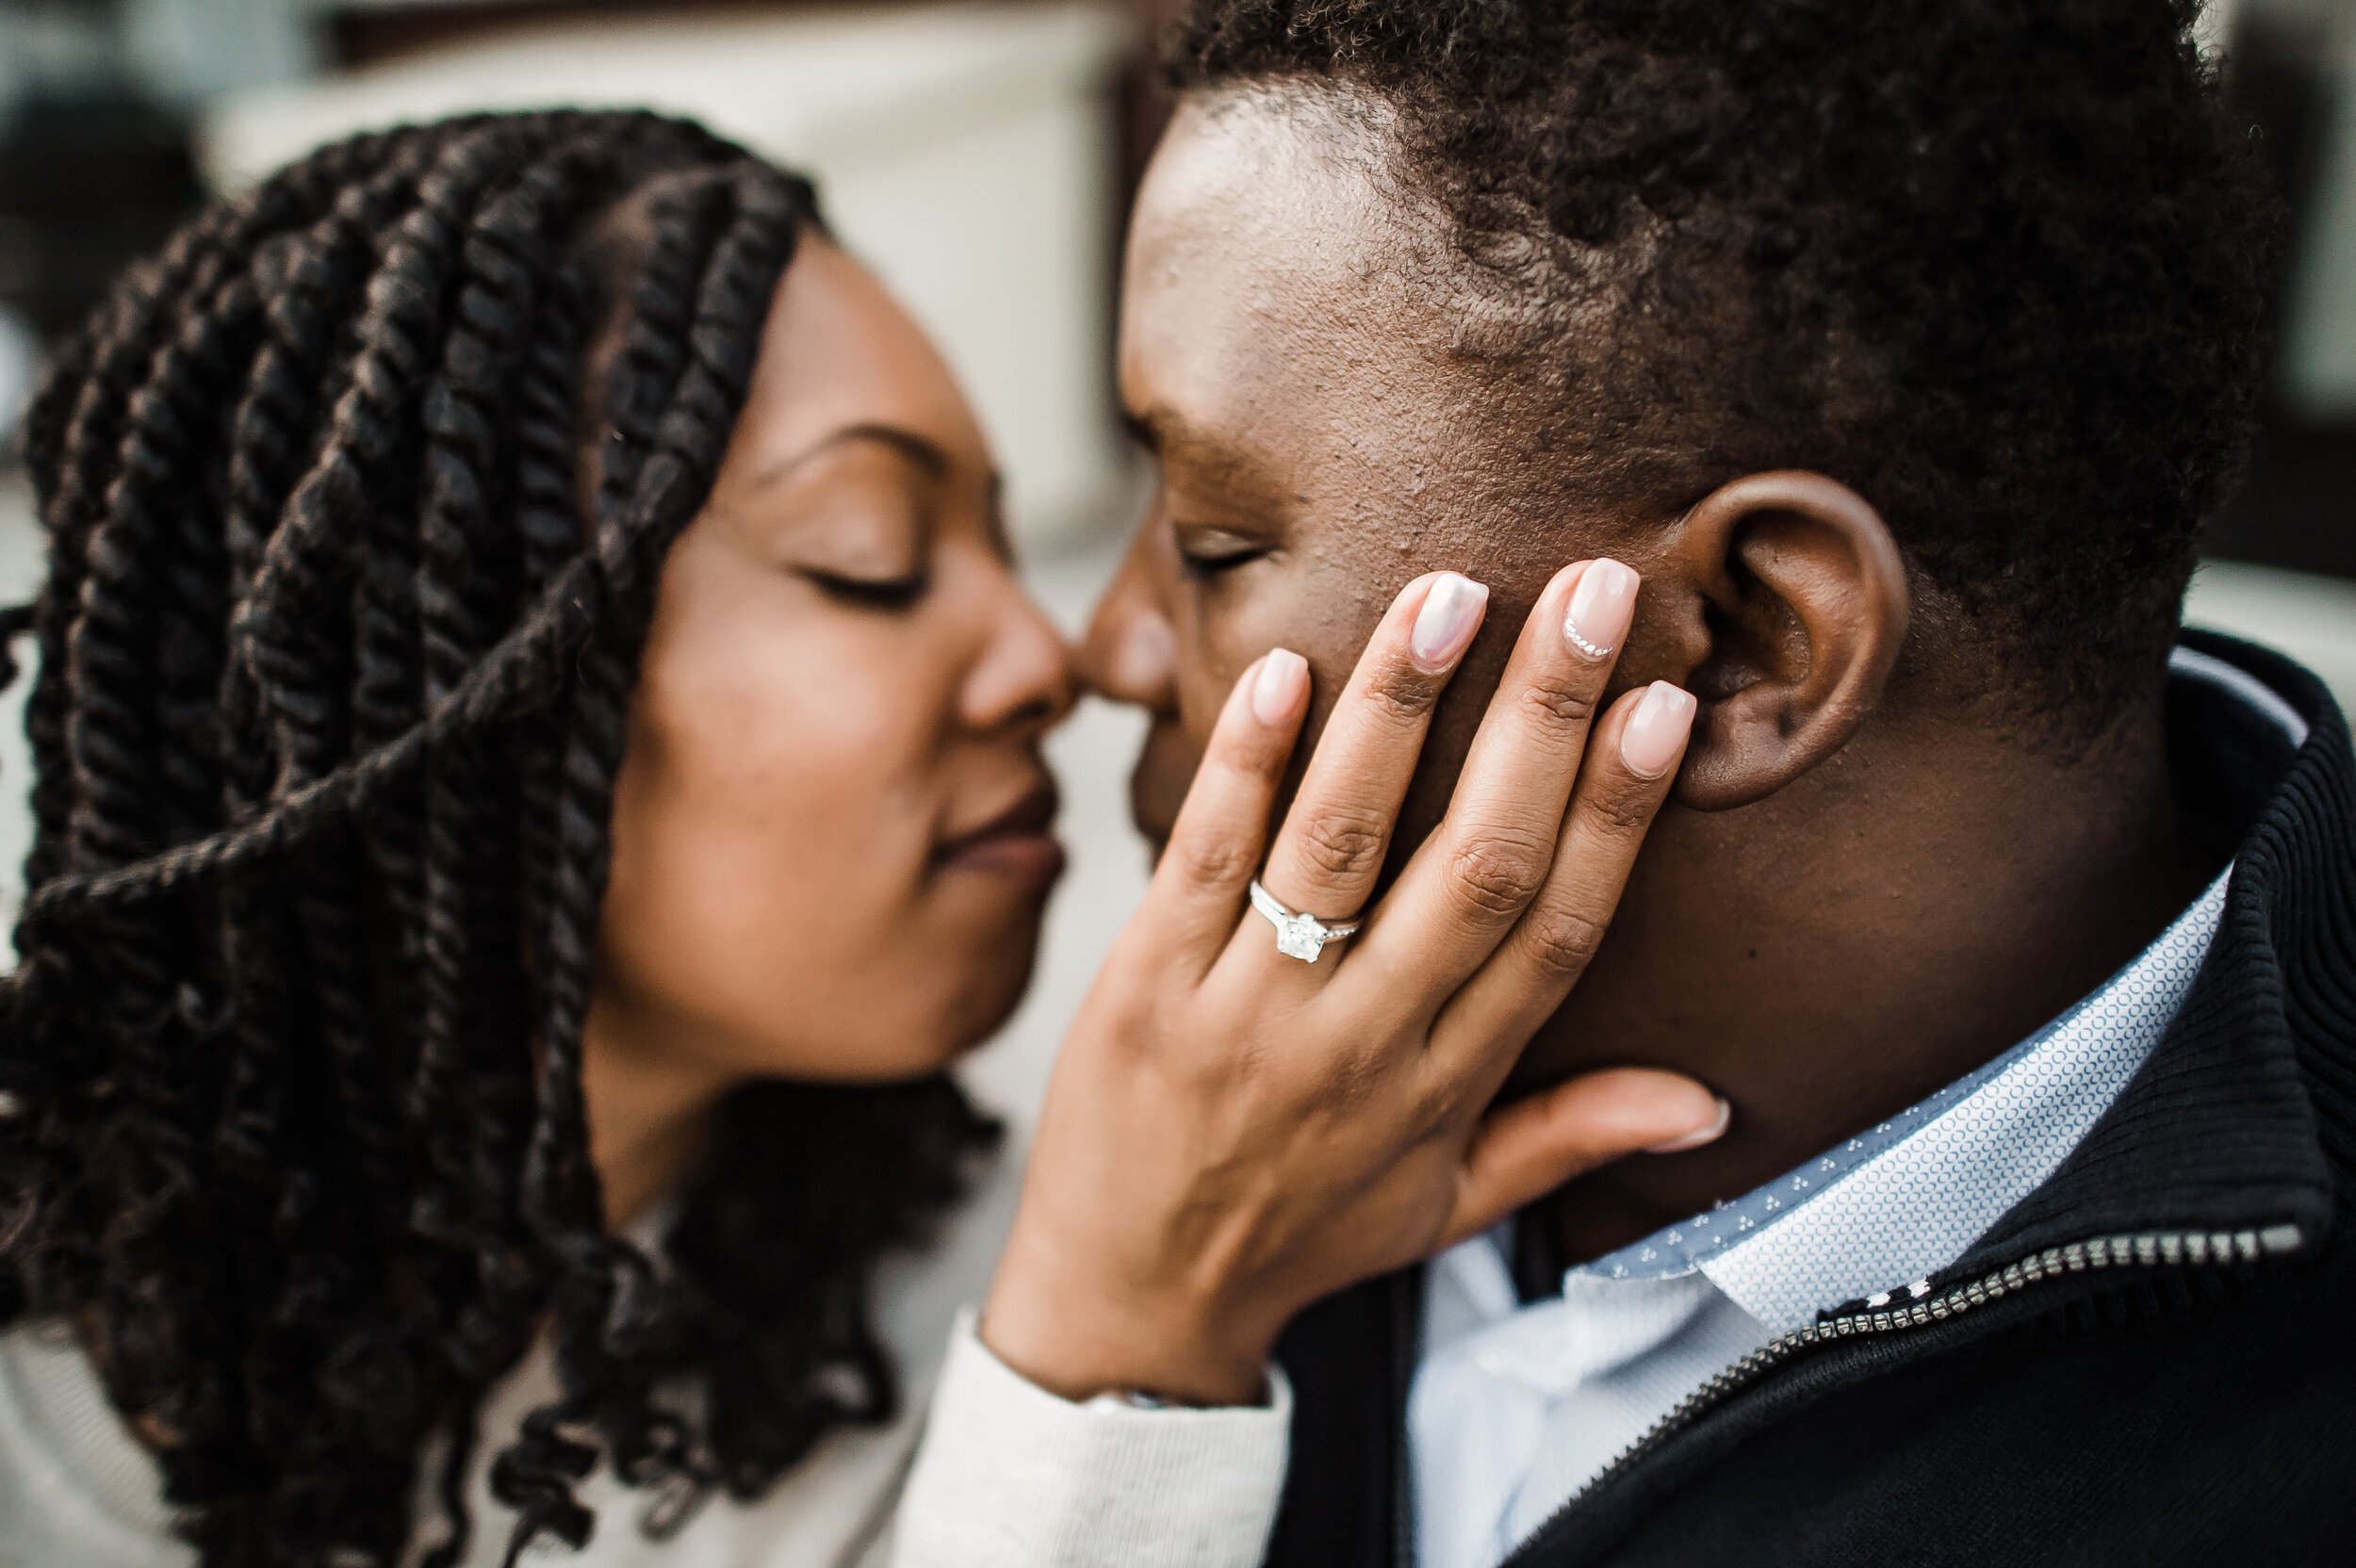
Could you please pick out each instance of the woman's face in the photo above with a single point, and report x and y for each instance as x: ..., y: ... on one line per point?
x: 832, y: 828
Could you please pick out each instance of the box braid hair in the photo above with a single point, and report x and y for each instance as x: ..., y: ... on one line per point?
x: 351, y: 565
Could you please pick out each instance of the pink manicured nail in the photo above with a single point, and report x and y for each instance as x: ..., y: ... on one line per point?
x: 1601, y: 608
x: 1282, y: 674
x: 1699, y: 1136
x: 1444, y: 625
x: 1656, y: 731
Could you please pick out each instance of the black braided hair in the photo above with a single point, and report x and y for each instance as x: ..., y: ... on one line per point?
x: 337, y: 643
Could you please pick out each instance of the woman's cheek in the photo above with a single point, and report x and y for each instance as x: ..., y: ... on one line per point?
x: 770, y: 828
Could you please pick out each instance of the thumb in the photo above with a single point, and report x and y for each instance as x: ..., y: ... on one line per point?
x: 1525, y: 1151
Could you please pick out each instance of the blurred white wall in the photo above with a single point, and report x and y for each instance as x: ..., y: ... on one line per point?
x: 2320, y: 350
x: 965, y: 152
x: 174, y: 53
x: 2310, y: 618
x: 187, y: 51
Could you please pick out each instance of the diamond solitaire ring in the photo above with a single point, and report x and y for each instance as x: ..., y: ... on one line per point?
x: 1302, y: 937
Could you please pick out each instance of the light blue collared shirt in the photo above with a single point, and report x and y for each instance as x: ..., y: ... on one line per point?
x: 1516, y: 1408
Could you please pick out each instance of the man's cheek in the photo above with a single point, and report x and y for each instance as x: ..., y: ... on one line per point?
x: 1202, y: 693
x: 1323, y: 613
x: 1219, y: 634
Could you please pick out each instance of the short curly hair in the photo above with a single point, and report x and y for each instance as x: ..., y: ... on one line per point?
x: 1998, y: 265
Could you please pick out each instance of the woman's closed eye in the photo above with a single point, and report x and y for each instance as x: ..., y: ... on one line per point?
x: 866, y: 542
x: 894, y: 592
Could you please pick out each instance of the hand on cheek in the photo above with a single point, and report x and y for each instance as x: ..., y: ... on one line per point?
x: 1232, y: 1132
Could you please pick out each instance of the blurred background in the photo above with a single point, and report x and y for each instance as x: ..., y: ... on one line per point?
x: 980, y: 158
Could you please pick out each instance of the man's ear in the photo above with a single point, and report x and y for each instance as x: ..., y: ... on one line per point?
x: 1789, y: 606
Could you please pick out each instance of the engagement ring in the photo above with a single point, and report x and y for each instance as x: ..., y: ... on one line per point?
x: 1302, y: 937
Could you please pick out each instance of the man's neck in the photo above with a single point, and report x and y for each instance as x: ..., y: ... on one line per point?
x: 1827, y: 957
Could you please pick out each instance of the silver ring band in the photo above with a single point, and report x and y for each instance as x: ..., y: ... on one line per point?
x: 1298, y: 935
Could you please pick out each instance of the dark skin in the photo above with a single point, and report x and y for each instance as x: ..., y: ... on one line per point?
x: 1867, y: 881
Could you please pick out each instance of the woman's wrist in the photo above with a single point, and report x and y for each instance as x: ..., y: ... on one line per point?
x: 1079, y: 1344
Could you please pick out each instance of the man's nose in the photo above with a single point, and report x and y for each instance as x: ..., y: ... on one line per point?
x: 1130, y: 653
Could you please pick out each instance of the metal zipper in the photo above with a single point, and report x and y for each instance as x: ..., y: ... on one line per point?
x: 1886, y: 1314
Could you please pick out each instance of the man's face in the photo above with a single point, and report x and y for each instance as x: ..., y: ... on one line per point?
x: 1293, y: 352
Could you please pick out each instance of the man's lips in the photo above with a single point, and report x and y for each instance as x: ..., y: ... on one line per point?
x: 1019, y: 842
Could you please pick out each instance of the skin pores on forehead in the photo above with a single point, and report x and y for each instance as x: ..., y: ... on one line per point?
x: 1298, y: 345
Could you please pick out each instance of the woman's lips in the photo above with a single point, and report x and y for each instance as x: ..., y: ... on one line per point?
x: 1018, y: 844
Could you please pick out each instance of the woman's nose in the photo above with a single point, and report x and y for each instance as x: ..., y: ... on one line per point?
x: 1024, y: 678
x: 1130, y: 653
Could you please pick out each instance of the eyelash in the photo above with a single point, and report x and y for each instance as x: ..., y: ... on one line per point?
x: 1204, y: 568
x: 884, y: 594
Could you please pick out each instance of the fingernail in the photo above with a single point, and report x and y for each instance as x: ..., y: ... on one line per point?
x: 1444, y: 625
x: 1656, y: 731
x: 1601, y: 608
x: 1278, y: 687
x: 1699, y: 1136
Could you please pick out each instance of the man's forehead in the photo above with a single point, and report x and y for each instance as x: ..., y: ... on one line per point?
x: 1271, y: 184
x: 1272, y: 255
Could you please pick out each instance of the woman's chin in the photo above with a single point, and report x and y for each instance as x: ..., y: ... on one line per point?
x: 995, y: 986
x: 920, y: 1030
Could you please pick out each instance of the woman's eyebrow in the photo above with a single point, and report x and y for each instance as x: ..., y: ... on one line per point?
x: 921, y: 451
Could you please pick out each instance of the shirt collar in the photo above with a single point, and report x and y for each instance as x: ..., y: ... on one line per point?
x: 1953, y: 1165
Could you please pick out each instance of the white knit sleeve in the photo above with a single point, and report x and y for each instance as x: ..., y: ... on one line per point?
x: 1009, y: 1475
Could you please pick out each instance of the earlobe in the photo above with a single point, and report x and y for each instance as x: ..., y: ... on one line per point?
x: 1798, y: 609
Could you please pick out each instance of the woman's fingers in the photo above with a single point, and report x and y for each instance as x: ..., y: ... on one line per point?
x: 1473, y: 879
x: 1525, y: 1151
x: 1331, y: 847
x: 1630, y: 764
x: 1196, y: 893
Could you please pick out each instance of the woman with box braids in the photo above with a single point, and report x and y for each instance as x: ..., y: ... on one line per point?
x: 357, y: 499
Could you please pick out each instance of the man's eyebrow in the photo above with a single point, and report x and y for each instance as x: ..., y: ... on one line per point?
x: 926, y: 453
x: 1206, y: 458
x: 1141, y: 430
